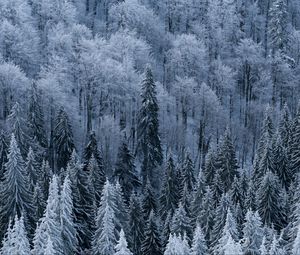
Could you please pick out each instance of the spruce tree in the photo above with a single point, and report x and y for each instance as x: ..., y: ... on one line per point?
x: 252, y: 233
x: 31, y: 167
x: 39, y: 202
x: 296, y: 244
x: 44, y: 177
x: 285, y: 127
x: 50, y: 224
x: 16, y: 240
x: 136, y: 224
x: 149, y: 202
x: 210, y: 166
x: 177, y: 246
x: 125, y: 171
x: 121, y: 248
x: 199, y: 246
x: 197, y: 197
x: 188, y: 173
x: 226, y: 161
x: 151, y: 243
x: 148, y: 129
x: 217, y: 187
x: 121, y: 211
x: 169, y: 194
x: 275, y: 248
x: 63, y: 139
x: 16, y: 197
x: 3, y: 153
x: 67, y: 220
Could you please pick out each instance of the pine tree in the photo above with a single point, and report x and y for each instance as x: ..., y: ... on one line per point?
x: 125, y: 171
x: 231, y: 247
x: 285, y: 127
x: 63, y: 139
x: 177, y: 246
x: 252, y: 233
x: 188, y: 173
x: 35, y: 118
x: 269, y: 202
x: 226, y: 161
x: 149, y: 202
x: 3, y: 153
x: 166, y: 231
x: 210, y: 166
x: 148, y: 128
x: 121, y: 248
x: 50, y: 225
x: 197, y: 197
x: 44, y: 177
x: 39, y: 202
x: 90, y: 150
x: 16, y: 196
x: 199, y: 246
x: 97, y: 177
x: 151, y: 243
x: 169, y: 194
x: 16, y: 241
x: 121, y: 211
x: 68, y: 230
x: 31, y: 168
x: 104, y: 239
x: 136, y: 224
x: 217, y: 187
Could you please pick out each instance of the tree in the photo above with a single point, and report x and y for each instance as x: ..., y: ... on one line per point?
x: 50, y: 224
x: 104, y: 239
x: 169, y: 192
x: 275, y: 248
x: 16, y: 197
x: 209, y: 167
x: 125, y: 171
x: 63, y: 139
x: 31, y: 168
x: 121, y: 248
x: 252, y: 233
x: 199, y: 246
x: 296, y: 244
x: 151, y: 243
x: 136, y: 224
x: 3, y: 153
x: 148, y: 128
x: 121, y: 209
x: 188, y: 173
x: 67, y: 221
x: 149, y: 202
x: 177, y: 246
x: 39, y: 202
x: 16, y: 240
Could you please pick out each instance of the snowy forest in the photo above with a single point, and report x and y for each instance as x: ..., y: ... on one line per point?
x: 149, y: 127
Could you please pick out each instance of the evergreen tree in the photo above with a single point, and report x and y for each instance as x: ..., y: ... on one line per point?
x: 148, y: 202
x: 148, y: 128
x: 121, y: 209
x: 44, y: 177
x: 263, y: 249
x: 197, y: 197
x: 50, y: 225
x: 104, y: 239
x: 63, y: 139
x: 136, y: 227
x: 31, y: 168
x: 16, y: 240
x: 39, y: 202
x: 169, y: 193
x: 252, y: 233
x: 121, y: 248
x: 188, y: 173
x: 49, y: 248
x: 16, y: 197
x: 177, y: 246
x: 166, y: 231
x: 125, y: 171
x: 217, y: 187
x: 269, y: 202
x: 275, y: 248
x: 151, y: 244
x: 210, y: 166
x: 199, y: 246
x: 35, y: 118
x: 3, y: 153
x: 226, y: 161
x: 285, y: 127
x: 296, y: 244
x: 90, y: 150
x: 67, y: 221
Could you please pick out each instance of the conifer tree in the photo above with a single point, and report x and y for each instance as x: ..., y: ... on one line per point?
x: 269, y: 202
x: 16, y: 197
x: 148, y: 128
x: 166, y: 231
x: 188, y: 173
x: 210, y: 166
x: 177, y: 246
x: 217, y: 187
x: 136, y: 227
x: 125, y: 171
x: 252, y: 233
x: 285, y: 127
x: 169, y: 193
x: 3, y: 153
x: 16, y: 241
x: 151, y: 243
x: 121, y: 248
x: 149, y: 202
x: 49, y: 248
x: 39, y: 202
x: 199, y: 246
x: 275, y: 248
x: 226, y: 161
x: 197, y: 197
x: 296, y: 244
x: 263, y: 249
x: 31, y: 167
x: 44, y: 177
x: 63, y: 139
x: 104, y: 239
x: 67, y: 221
x: 121, y: 209
x: 50, y: 225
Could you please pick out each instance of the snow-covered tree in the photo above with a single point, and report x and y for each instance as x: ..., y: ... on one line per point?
x: 199, y: 246
x: 121, y: 247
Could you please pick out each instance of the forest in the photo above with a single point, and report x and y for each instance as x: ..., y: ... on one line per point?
x: 146, y: 127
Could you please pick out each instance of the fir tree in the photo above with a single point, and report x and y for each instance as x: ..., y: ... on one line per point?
x: 121, y: 248
x: 188, y: 173
x: 39, y: 202
x: 148, y: 202
x: 169, y: 193
x: 197, y: 197
x: 63, y: 139
x: 151, y: 244
x: 125, y: 171
x: 217, y: 187
x: 50, y: 225
x: 199, y: 246
x: 16, y: 196
x: 68, y: 230
x: 177, y: 246
x: 49, y: 248
x: 121, y: 209
x: 136, y: 227
x: 275, y: 248
x: 44, y: 177
x: 3, y: 153
x: 285, y: 127
x: 148, y: 128
x: 296, y: 244
x: 210, y: 166
x: 252, y: 233
x: 16, y: 241
x: 166, y: 231
x: 31, y: 168
x: 104, y: 239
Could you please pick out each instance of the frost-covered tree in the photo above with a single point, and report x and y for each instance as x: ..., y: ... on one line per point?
x: 199, y: 246
x: 149, y: 202
x: 148, y: 128
x: 177, y: 245
x: 121, y: 247
x: 188, y: 173
x: 31, y: 168
x: 3, y: 152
